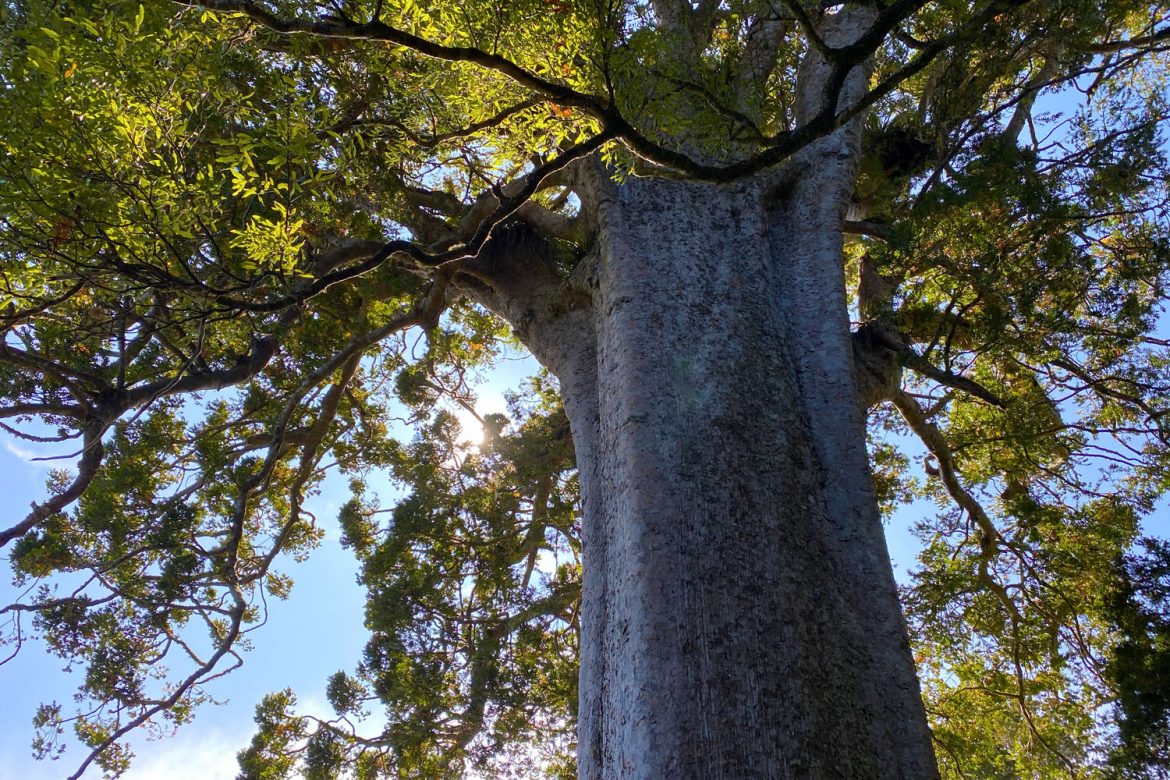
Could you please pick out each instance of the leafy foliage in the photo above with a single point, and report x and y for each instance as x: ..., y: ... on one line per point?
x: 1139, y: 665
x: 237, y: 239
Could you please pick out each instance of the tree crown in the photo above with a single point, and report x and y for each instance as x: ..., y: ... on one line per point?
x: 222, y: 226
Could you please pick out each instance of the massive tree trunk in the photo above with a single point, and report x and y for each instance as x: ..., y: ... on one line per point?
x: 739, y: 617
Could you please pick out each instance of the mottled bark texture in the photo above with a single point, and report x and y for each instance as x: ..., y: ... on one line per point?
x: 739, y: 616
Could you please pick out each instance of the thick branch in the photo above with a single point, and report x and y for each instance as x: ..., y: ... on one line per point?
x: 262, y: 351
x: 915, y: 362
x: 519, y: 193
x: 1108, y: 47
x: 867, y: 227
x: 375, y: 30
x: 781, y: 146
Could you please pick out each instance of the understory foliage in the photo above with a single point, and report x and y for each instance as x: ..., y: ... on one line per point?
x: 237, y: 249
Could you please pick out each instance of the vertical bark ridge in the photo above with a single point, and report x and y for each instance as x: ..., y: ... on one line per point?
x: 803, y: 235
x: 805, y: 218
x: 573, y: 358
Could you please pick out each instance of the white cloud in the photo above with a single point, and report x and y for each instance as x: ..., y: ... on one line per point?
x: 62, y: 453
x: 23, y: 453
x: 210, y: 755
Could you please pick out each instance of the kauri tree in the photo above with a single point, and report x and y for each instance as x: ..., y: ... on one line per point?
x: 238, y: 236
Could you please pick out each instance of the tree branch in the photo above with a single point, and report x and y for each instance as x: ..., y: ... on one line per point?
x: 1108, y: 47
x: 989, y: 537
x: 91, y: 458
x: 375, y: 30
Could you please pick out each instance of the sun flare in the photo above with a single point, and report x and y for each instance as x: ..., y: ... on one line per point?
x: 470, y: 427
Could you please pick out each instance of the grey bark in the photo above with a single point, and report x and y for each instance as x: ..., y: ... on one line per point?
x: 739, y: 615
x: 740, y: 618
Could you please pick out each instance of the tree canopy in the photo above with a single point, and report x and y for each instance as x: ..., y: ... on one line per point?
x: 223, y: 226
